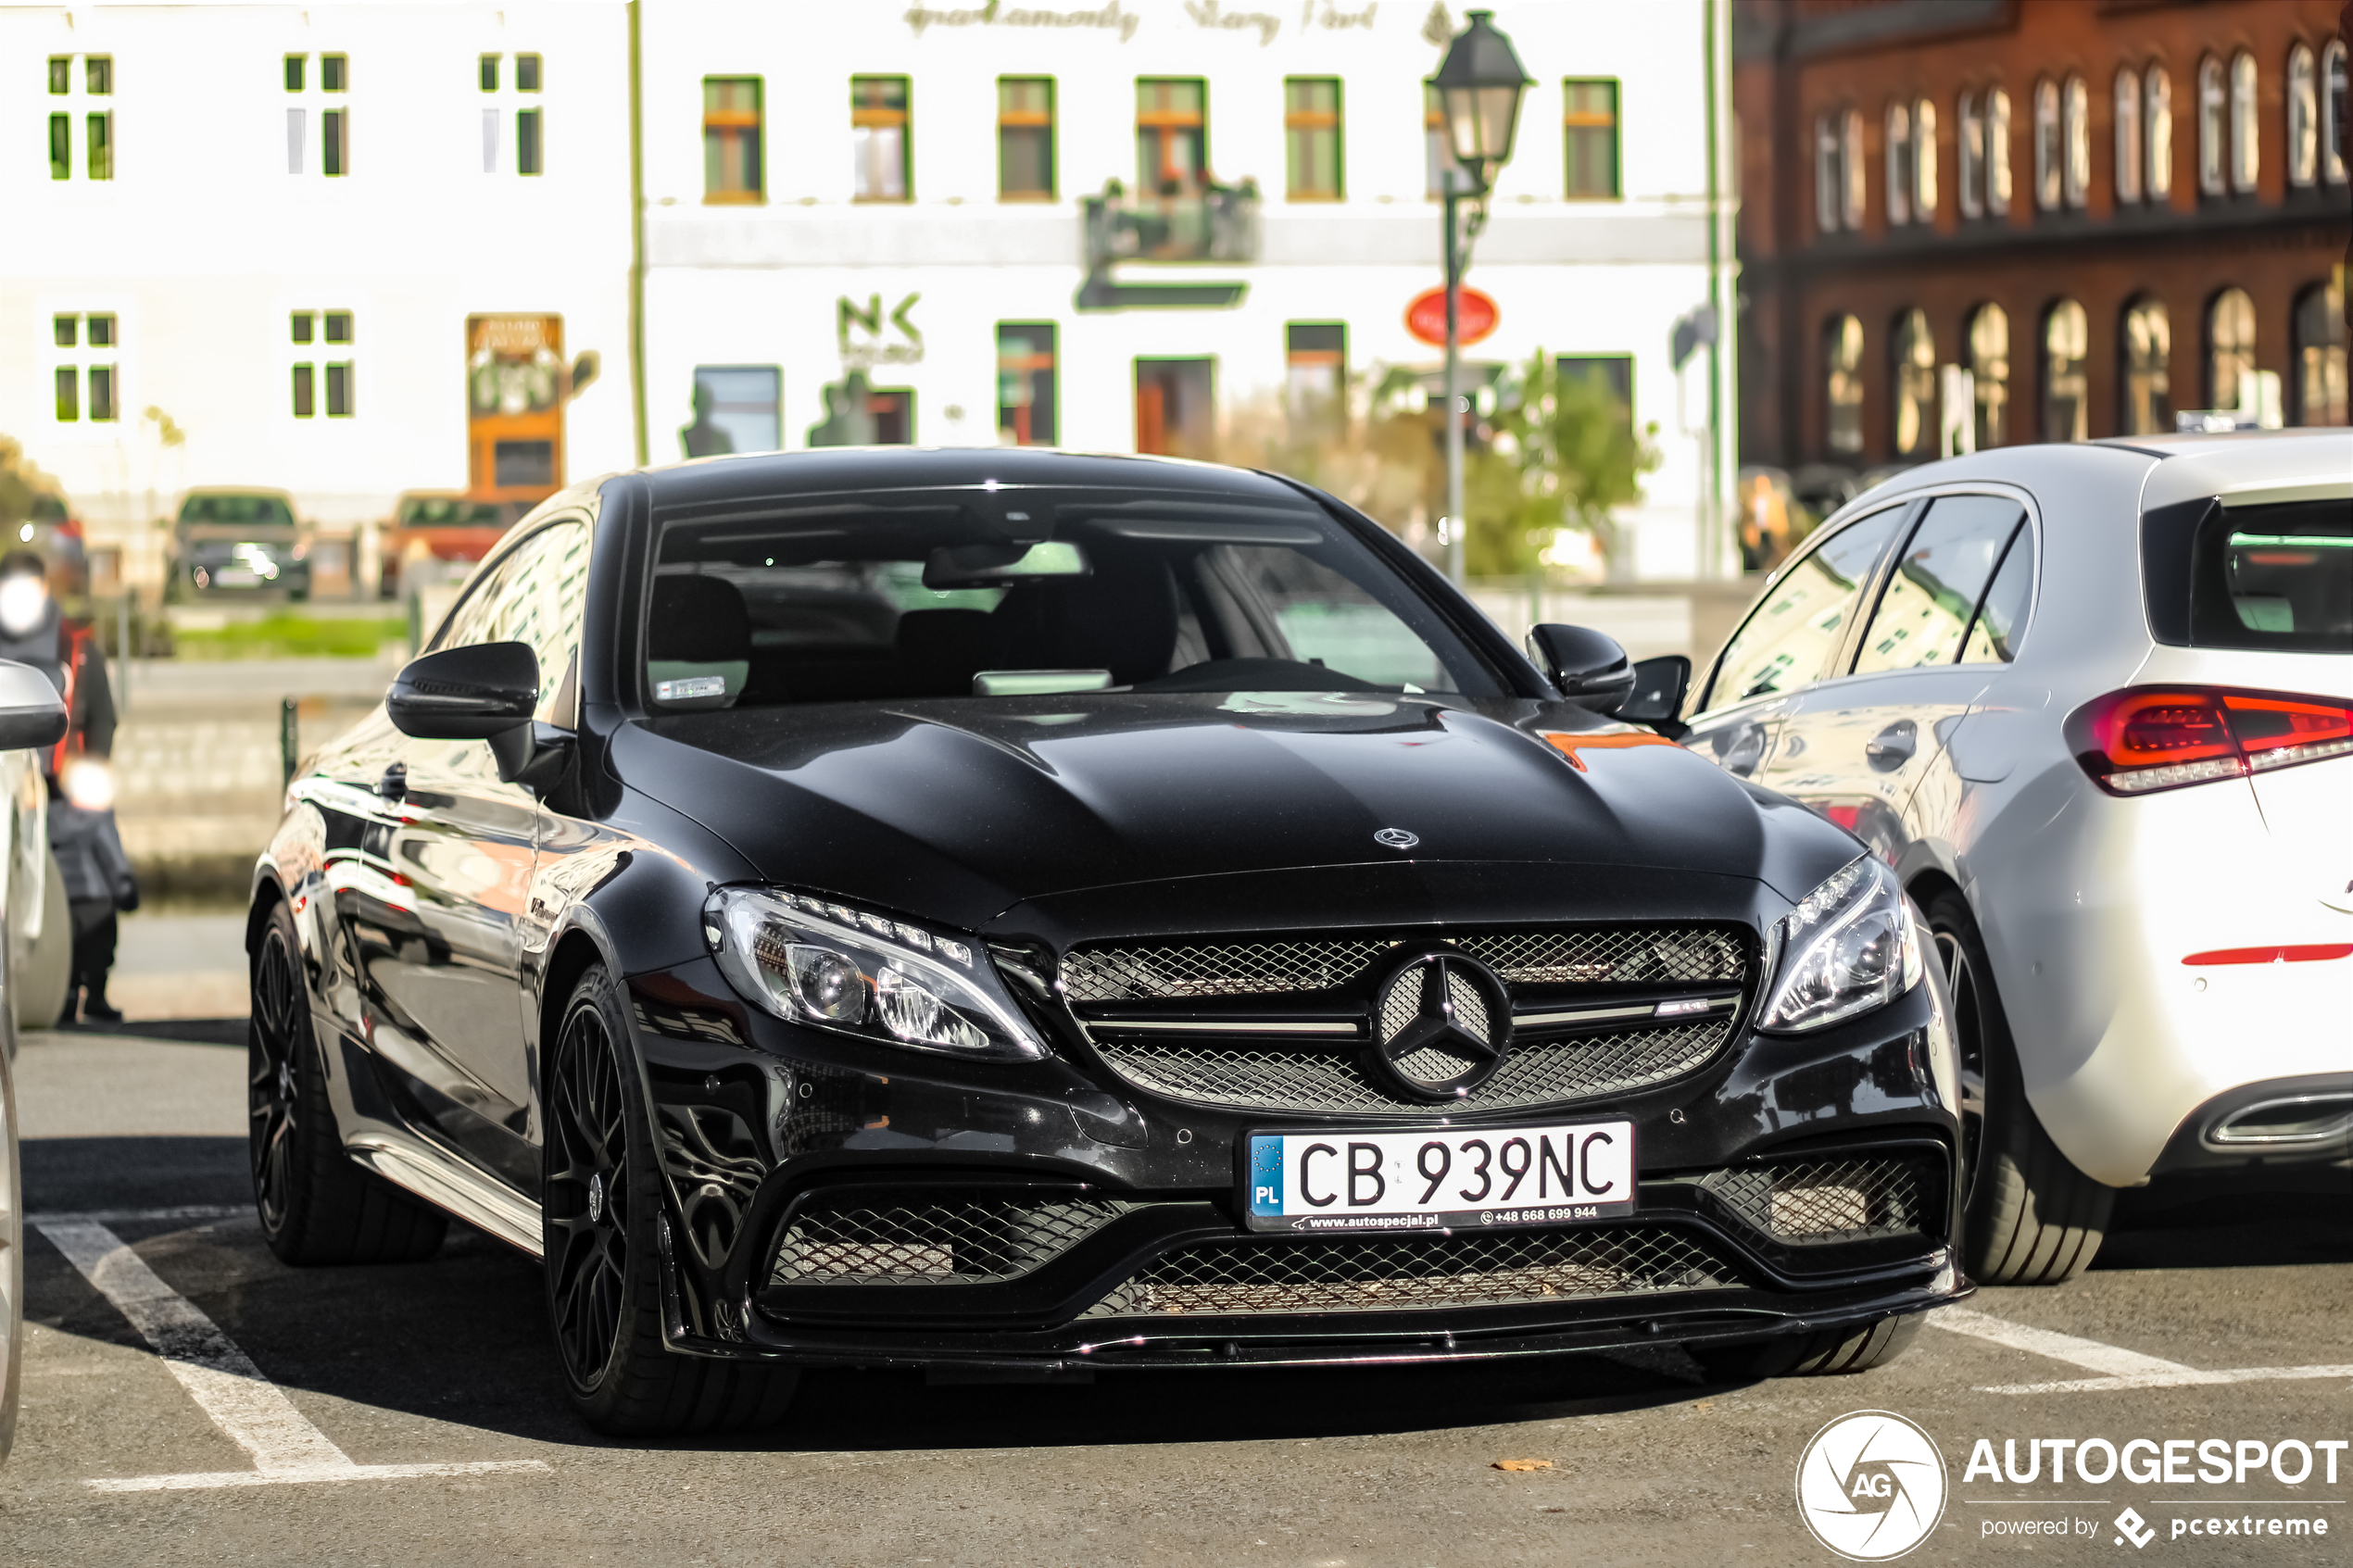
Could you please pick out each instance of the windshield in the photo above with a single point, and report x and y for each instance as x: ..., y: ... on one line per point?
x: 893, y: 596
x: 236, y: 511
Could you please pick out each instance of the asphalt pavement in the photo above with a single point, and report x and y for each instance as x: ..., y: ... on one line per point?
x: 411, y: 1415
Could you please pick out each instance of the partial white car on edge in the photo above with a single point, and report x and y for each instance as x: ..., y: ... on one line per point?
x: 32, y: 716
x: 2095, y: 704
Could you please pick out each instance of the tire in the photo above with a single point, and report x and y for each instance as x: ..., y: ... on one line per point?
x: 601, y: 1207
x: 1833, y: 1352
x: 2030, y: 1216
x: 316, y: 1206
x: 40, y: 991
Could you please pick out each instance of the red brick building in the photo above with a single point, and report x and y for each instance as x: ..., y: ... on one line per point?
x: 2107, y: 210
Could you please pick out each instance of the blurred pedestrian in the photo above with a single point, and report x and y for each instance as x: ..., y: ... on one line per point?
x: 98, y: 881
x: 82, y: 836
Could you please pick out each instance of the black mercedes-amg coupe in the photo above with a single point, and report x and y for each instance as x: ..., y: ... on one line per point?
x: 1016, y: 912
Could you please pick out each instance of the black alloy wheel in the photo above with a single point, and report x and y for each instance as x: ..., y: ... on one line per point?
x: 601, y: 1213
x: 2029, y: 1217
x: 272, y: 1107
x: 1968, y: 1043
x: 586, y: 1197
x: 315, y: 1205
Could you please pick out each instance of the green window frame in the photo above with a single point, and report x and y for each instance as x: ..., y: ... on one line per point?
x: 1025, y: 139
x: 882, y: 134
x: 1313, y: 148
x: 1589, y: 120
x: 1028, y: 387
x: 733, y: 169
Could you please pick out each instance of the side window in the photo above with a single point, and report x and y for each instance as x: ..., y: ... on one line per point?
x: 473, y: 619
x: 1790, y: 638
x: 534, y: 594
x: 2001, y: 623
x: 1924, y: 612
x: 539, y: 601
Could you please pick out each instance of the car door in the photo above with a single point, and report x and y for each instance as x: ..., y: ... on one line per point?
x: 1858, y: 744
x: 443, y: 978
x: 1798, y: 631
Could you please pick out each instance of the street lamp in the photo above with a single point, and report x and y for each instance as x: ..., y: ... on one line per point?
x: 1479, y: 85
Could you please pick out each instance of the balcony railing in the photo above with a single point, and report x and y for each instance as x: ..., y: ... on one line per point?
x: 1214, y: 223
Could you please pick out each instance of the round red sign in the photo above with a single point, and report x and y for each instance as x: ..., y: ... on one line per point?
x: 1426, y: 317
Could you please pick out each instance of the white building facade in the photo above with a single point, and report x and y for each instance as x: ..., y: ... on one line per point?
x: 1113, y: 225
x: 281, y: 196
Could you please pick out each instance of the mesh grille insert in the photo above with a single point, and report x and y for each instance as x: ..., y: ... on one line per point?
x: 1250, y: 1076
x: 1619, y: 955
x: 933, y: 1235
x: 1391, y: 1273
x: 1813, y: 1201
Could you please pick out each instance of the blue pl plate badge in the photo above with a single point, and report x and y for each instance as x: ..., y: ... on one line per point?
x: 1267, y: 1176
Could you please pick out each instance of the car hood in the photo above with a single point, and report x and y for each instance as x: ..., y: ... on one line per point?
x: 960, y: 809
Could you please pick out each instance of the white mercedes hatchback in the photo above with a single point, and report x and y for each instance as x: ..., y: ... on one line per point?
x: 2095, y: 705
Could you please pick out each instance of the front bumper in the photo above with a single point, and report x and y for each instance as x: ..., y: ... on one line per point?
x: 771, y: 1133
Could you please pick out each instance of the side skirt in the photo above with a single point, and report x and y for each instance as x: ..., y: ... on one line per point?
x: 445, y: 1181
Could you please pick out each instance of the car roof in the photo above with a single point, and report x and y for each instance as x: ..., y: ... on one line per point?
x: 914, y: 467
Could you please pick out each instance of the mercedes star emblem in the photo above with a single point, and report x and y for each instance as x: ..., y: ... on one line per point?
x: 1442, y: 1025
x: 1397, y: 838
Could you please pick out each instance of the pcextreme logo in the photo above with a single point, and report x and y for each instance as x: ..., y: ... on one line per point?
x: 1870, y: 1485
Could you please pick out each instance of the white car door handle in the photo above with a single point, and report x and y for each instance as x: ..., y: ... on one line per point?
x: 1894, y: 746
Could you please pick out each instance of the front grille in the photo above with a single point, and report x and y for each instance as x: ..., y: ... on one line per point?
x: 933, y: 1235
x: 1611, y: 955
x: 1808, y: 1202
x: 1393, y: 1273
x: 1250, y: 1076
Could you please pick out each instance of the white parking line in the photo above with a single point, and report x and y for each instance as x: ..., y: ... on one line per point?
x: 221, y: 1378
x: 2122, y: 1369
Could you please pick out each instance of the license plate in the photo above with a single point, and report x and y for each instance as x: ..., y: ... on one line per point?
x: 236, y: 577
x: 1450, y: 1179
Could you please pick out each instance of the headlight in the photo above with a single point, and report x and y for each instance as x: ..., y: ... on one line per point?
x: 1848, y: 948
x: 813, y: 962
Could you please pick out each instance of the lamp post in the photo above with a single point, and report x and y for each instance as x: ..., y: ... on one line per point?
x: 1479, y: 84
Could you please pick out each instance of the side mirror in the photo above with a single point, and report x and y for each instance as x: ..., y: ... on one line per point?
x: 1589, y: 669
x: 1659, y: 687
x: 471, y: 693
x: 31, y: 713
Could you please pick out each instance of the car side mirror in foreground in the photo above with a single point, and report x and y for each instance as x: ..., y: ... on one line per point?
x: 1589, y: 669
x: 1660, y: 686
x: 483, y: 692
x: 31, y: 713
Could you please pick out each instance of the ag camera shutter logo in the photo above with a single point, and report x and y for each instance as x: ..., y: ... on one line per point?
x: 1870, y: 1485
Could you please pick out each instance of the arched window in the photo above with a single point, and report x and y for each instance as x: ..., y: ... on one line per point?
x: 2157, y: 129
x: 2213, y: 126
x: 2127, y: 135
x: 2244, y: 158
x: 1843, y: 383
x: 2066, y: 340
x: 2303, y: 117
x: 1998, y: 152
x: 1899, y: 164
x: 1827, y: 183
x: 2075, y: 126
x: 1989, y: 364
x: 2320, y: 355
x: 2146, y: 350
x: 1970, y: 154
x: 2048, y: 154
x: 1923, y: 162
x: 1850, y: 160
x: 2333, y: 112
x: 1912, y: 364
x: 2230, y: 349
